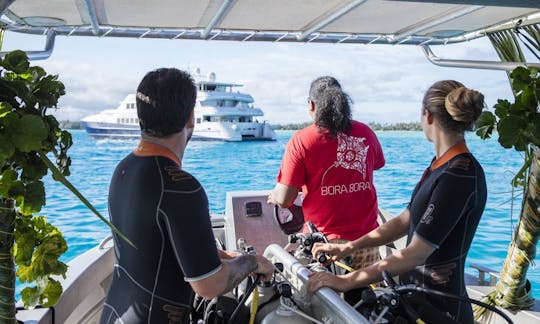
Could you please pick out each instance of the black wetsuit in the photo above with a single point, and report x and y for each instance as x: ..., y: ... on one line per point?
x: 445, y: 210
x: 164, y: 212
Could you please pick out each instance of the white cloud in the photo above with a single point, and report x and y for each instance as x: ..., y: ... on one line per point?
x: 385, y: 82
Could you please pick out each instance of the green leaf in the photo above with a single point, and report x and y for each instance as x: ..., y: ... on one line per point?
x: 502, y: 107
x: 6, y: 149
x: 16, y: 61
x: 7, y: 120
x: 5, y: 108
x: 6, y: 181
x: 50, y: 245
x: 30, y: 297
x: 25, y: 241
x: 45, y: 259
x: 51, y: 294
x: 485, y: 125
x: 34, y: 198
x: 509, y: 130
x: 528, y: 99
x: 520, y: 78
x: 484, y: 132
x: 28, y: 132
x: 16, y: 190
x: 33, y: 168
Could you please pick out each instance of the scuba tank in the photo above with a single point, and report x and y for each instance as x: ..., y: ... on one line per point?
x: 283, y: 314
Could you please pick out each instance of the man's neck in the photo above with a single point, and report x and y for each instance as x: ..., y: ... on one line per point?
x: 176, y: 143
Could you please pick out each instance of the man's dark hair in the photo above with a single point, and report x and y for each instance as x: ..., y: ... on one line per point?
x: 332, y: 105
x: 165, y: 100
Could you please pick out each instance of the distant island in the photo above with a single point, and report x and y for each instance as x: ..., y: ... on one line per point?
x: 413, y: 126
x: 66, y: 124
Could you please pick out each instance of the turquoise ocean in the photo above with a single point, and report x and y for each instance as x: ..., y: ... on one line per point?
x: 223, y: 167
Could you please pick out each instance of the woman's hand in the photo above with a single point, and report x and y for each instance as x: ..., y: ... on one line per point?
x: 324, y: 279
x: 335, y: 251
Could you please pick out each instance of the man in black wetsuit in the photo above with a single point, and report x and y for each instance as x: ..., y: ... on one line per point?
x: 163, y: 210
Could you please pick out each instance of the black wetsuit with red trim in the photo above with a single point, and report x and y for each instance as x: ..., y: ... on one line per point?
x: 445, y: 210
x: 163, y: 210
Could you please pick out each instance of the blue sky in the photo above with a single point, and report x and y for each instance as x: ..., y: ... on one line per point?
x: 385, y: 82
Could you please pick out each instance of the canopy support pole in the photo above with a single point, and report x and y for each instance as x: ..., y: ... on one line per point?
x: 473, y: 64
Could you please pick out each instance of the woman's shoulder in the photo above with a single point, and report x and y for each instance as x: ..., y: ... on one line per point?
x: 465, y: 164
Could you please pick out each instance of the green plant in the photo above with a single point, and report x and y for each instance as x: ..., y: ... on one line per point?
x: 517, y: 123
x: 28, y: 136
x: 518, y: 126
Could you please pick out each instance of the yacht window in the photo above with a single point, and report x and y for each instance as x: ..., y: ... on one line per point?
x: 198, y: 120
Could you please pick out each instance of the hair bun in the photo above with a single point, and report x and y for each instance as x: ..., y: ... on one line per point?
x: 464, y: 105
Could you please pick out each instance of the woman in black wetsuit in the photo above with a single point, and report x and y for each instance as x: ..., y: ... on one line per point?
x: 442, y: 215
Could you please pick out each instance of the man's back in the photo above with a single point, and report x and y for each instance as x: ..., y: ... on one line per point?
x: 164, y: 212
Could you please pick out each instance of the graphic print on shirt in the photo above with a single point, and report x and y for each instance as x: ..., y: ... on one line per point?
x: 351, y: 154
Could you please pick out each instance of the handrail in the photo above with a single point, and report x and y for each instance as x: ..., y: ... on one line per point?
x: 40, y: 55
x: 482, y: 271
x: 103, y: 242
x: 473, y: 64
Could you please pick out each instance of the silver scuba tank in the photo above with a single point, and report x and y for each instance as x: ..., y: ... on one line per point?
x: 284, y: 315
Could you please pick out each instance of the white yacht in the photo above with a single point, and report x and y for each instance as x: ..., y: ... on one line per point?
x: 221, y: 113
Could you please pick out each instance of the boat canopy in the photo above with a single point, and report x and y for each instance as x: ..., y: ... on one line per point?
x: 326, y: 21
x: 405, y: 22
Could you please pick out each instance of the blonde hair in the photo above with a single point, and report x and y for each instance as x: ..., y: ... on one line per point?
x: 455, y: 106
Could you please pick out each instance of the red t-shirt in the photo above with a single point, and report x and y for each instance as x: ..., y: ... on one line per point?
x: 336, y: 176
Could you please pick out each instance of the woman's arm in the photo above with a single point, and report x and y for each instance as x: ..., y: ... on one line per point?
x: 413, y: 255
x: 388, y: 232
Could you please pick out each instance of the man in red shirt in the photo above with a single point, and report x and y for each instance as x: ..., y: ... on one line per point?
x: 332, y: 163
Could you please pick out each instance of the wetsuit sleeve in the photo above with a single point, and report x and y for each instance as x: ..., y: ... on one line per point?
x: 292, y: 171
x: 190, y: 231
x: 452, y: 199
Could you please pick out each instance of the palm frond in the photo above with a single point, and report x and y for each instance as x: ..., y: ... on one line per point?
x: 507, y: 46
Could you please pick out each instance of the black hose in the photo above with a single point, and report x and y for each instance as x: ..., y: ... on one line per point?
x: 456, y: 297
x: 244, y: 297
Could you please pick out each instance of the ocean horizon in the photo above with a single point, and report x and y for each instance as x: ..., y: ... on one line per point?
x: 235, y: 166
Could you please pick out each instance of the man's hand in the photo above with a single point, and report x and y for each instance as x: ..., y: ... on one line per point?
x: 264, y: 268
x: 226, y: 254
x: 324, y: 279
x: 335, y: 251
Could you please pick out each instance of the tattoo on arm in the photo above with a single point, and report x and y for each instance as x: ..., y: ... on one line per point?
x: 239, y: 268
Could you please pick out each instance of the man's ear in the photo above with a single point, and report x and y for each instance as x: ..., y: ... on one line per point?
x: 191, y: 120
